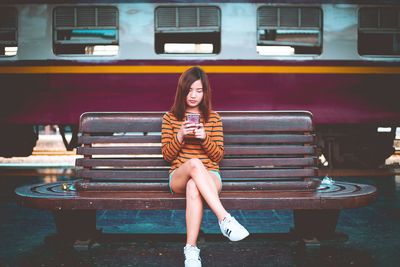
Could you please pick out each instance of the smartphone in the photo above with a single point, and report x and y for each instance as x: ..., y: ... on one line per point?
x: 193, y: 118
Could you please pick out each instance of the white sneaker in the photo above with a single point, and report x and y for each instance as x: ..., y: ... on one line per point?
x: 232, y: 229
x: 192, y: 256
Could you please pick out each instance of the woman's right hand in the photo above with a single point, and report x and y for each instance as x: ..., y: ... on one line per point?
x: 187, y: 128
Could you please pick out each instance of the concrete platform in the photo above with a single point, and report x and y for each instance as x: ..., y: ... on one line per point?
x: 156, y: 238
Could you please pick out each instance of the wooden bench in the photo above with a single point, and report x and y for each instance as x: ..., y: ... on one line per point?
x: 270, y: 163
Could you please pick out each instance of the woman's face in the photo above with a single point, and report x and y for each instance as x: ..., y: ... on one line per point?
x: 195, y: 95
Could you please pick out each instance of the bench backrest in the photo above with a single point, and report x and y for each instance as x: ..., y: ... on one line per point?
x: 259, y: 146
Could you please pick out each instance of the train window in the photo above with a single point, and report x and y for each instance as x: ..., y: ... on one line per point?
x: 289, y: 30
x: 85, y: 31
x: 379, y: 31
x: 8, y: 31
x: 187, y: 30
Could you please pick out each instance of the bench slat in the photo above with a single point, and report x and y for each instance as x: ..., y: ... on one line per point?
x: 236, y: 122
x: 153, y: 173
x: 120, y: 122
x: 275, y: 162
x: 311, y: 184
x: 256, y: 121
x: 119, y: 150
x: 228, y: 139
x: 269, y: 173
x: 118, y: 162
x: 263, y: 149
x: 227, y: 162
x: 122, y: 174
x: 88, y: 139
x: 229, y: 150
x: 269, y: 139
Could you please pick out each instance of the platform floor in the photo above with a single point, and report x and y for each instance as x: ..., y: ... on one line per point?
x: 156, y: 238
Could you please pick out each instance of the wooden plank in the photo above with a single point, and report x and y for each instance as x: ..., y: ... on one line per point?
x: 152, y: 173
x: 271, y: 162
x: 83, y: 185
x: 122, y: 162
x: 250, y: 121
x: 227, y: 162
x: 268, y: 138
x: 269, y: 173
x: 267, y: 122
x: 165, y: 179
x: 228, y: 139
x: 110, y: 122
x: 268, y: 149
x: 86, y: 140
x: 119, y: 150
x: 123, y: 174
x: 229, y: 150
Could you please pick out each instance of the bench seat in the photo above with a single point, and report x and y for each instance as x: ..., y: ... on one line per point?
x: 337, y: 196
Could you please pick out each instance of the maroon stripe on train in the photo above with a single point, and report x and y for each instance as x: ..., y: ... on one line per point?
x: 332, y: 98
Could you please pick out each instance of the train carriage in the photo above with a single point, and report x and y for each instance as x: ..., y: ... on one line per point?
x: 339, y: 59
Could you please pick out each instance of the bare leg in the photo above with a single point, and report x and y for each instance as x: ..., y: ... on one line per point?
x: 194, y: 212
x: 207, y: 184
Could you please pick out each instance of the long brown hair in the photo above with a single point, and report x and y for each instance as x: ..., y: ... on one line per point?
x: 185, y: 81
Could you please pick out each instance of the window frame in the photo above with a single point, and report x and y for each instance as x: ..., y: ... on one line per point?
x: 394, y: 32
x: 90, y: 44
x: 272, y: 43
x: 195, y: 32
x: 7, y: 43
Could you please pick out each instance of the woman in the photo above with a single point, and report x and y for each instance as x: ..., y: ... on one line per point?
x: 195, y: 150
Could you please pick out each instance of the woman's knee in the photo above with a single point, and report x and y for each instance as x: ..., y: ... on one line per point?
x: 195, y: 163
x: 191, y: 190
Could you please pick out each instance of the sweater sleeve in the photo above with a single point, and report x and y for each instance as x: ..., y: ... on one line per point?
x: 170, y: 145
x: 213, y: 144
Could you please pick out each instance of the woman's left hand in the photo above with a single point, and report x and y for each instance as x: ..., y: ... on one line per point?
x: 199, y: 132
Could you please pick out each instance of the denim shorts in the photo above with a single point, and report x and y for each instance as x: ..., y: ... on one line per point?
x: 217, y: 173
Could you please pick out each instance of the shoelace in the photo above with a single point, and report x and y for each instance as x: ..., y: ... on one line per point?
x: 233, y: 224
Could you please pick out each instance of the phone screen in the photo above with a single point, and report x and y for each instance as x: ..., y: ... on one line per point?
x: 193, y: 118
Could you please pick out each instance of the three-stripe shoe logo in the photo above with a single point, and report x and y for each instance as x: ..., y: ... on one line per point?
x: 228, y: 232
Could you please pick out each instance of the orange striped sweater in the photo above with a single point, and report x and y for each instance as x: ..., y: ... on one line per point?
x: 210, y: 151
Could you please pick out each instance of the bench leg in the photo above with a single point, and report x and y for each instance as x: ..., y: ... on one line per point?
x: 315, y: 224
x: 76, y: 227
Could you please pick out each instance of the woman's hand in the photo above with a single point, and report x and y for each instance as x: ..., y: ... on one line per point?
x: 199, y: 132
x: 187, y: 129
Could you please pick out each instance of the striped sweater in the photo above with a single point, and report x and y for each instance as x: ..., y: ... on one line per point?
x: 210, y: 151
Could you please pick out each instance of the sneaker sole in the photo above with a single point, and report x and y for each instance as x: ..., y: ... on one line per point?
x: 235, y: 240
